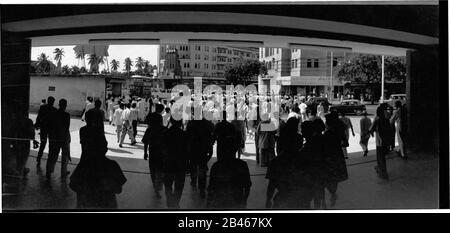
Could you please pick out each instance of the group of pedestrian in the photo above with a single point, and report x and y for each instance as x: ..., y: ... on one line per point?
x: 54, y: 126
x: 304, y: 155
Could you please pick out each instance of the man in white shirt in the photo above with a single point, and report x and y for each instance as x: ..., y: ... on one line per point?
x: 89, y: 105
x: 141, y: 108
x: 126, y: 126
x: 110, y: 110
x: 117, y: 120
x: 303, y: 108
x: 134, y: 115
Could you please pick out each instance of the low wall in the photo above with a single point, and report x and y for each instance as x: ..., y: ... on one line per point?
x: 73, y: 89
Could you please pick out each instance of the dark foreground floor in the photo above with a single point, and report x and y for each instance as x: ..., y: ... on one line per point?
x: 413, y: 184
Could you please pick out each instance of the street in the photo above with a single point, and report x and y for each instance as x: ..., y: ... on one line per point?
x: 136, y: 151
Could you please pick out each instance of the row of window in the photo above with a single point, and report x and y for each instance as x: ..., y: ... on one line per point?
x: 220, y: 50
x: 198, y: 66
x: 310, y: 63
x: 206, y: 74
x: 270, y: 51
x: 213, y: 58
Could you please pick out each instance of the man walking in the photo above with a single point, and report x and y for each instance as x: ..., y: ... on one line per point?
x: 117, y: 120
x: 59, y: 136
x: 134, y: 115
x: 348, y: 125
x: 365, y: 124
x: 200, y: 148
x: 154, y: 148
x: 174, y: 164
x: 89, y: 106
x: 42, y: 123
x: 396, y: 120
x: 99, y: 114
x: 126, y: 126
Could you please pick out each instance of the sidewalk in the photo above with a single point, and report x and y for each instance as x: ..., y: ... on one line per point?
x: 412, y: 185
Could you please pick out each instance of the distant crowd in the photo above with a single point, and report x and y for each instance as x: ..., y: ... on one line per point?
x: 304, y: 153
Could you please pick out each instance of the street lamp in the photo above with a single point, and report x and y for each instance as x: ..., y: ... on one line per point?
x: 331, y: 76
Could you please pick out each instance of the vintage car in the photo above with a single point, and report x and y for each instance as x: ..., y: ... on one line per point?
x: 396, y: 97
x: 349, y: 106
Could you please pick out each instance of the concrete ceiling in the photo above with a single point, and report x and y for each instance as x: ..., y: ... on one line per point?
x: 180, y: 27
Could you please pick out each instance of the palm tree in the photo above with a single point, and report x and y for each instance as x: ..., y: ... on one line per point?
x: 128, y: 65
x: 101, y: 61
x: 43, y: 64
x: 93, y: 61
x: 140, y: 64
x: 147, y: 67
x: 114, y: 65
x: 81, y: 56
x: 59, y: 53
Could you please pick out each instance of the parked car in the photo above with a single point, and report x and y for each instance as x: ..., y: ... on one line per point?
x: 349, y: 106
x: 396, y: 97
x: 313, y: 102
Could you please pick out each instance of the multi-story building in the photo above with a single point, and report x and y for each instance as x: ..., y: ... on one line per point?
x: 295, y: 71
x: 197, y: 60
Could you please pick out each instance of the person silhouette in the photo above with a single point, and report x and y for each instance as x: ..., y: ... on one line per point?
x: 99, y: 114
x: 59, y: 136
x: 154, y: 148
x: 22, y: 134
x: 280, y: 171
x: 200, y: 149
x: 42, y: 123
x: 365, y: 124
x: 174, y: 163
x: 383, y: 129
x: 334, y: 138
x: 229, y: 182
x: 265, y: 140
x: 96, y: 179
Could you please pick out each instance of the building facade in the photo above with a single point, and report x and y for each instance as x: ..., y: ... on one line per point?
x: 299, y: 71
x: 197, y: 60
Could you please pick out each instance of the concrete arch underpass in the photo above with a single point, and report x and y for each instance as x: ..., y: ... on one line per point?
x: 367, y: 29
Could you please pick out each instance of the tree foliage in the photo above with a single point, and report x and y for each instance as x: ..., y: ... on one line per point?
x: 75, y: 70
x: 366, y: 69
x: 115, y: 65
x: 65, y: 70
x: 59, y: 53
x: 128, y: 63
x: 43, y: 65
x: 94, y: 62
x: 243, y: 70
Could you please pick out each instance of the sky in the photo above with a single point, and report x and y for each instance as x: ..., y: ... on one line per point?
x: 118, y: 52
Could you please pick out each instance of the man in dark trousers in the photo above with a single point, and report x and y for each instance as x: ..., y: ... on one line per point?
x: 59, y: 138
x: 174, y: 163
x: 154, y: 147
x: 42, y: 123
x: 200, y: 148
x: 99, y: 114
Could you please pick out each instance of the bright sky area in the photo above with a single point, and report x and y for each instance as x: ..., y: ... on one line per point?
x: 118, y: 52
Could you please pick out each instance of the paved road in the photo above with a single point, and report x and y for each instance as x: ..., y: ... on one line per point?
x: 136, y: 151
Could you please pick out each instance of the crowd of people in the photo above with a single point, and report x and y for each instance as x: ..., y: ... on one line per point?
x: 304, y: 154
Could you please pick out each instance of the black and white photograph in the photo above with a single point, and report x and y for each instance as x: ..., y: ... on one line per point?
x: 218, y: 106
